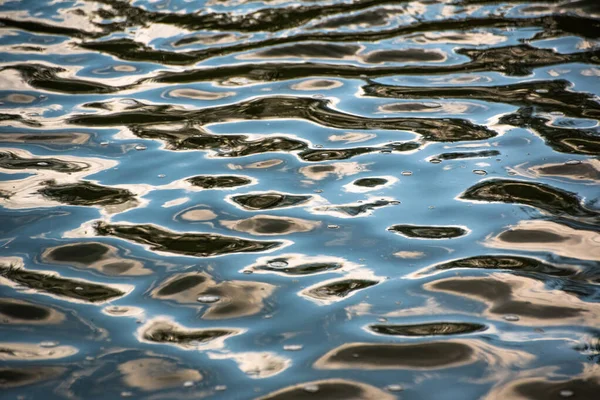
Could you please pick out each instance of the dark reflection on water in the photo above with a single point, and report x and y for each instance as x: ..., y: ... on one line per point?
x: 319, y: 199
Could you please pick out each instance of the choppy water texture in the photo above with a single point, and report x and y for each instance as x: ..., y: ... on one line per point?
x: 299, y: 200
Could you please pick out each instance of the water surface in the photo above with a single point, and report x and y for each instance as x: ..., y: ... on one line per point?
x: 299, y: 200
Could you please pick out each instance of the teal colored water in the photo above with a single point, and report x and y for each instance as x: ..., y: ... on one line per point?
x: 299, y: 200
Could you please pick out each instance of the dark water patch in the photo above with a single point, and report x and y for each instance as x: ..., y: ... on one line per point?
x: 303, y: 269
x: 223, y: 145
x: 4, y: 117
x: 429, y: 329
x: 50, y: 29
x: 99, y: 256
x: 430, y: 355
x: 540, y: 236
x: 80, y: 253
x: 47, y: 78
x: 166, y: 332
x: 545, y: 95
x: 223, y: 300
x: 503, y: 298
x: 296, y: 264
x: 428, y: 232
x: 337, y: 389
x: 218, y: 181
x: 371, y: 18
x: 564, y: 140
x: 580, y: 171
x: 88, y: 194
x: 548, y: 236
x: 13, y: 161
x: 26, y: 376
x: 513, y: 263
x: 411, y: 107
x: 62, y: 287
x: 208, y: 39
x: 352, y: 210
x: 130, y: 50
x: 269, y: 200
x: 319, y: 155
x: 240, y: 145
x: 544, y: 197
x: 337, y: 290
x: 370, y: 182
x: 460, y: 155
x: 521, y: 60
x: 54, y: 138
x: 585, y: 387
x: 186, y: 243
x: 271, y: 225
x: 180, y: 284
x: 20, y: 312
x: 403, y: 56
x: 277, y: 107
x: 307, y: 50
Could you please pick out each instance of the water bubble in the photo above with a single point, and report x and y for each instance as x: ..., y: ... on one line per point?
x: 161, y: 175
x: 318, y: 190
x: 333, y: 226
x: 479, y: 172
x: 511, y: 317
x: 318, y: 146
x: 394, y: 388
x: 208, y: 298
x: 406, y: 173
x: 103, y: 144
x: 220, y: 388
x: 48, y: 343
x: 311, y: 388
x: 126, y: 394
x: 566, y: 393
x: 293, y: 347
x: 140, y: 147
x: 573, y: 162
x: 277, y: 264
x: 188, y: 384
x: 382, y: 319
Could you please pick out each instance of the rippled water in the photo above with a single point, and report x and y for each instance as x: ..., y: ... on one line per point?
x: 299, y: 200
